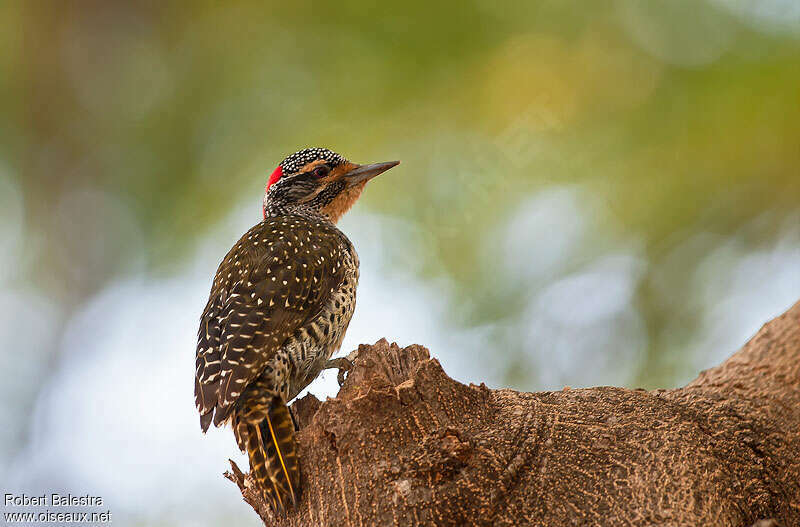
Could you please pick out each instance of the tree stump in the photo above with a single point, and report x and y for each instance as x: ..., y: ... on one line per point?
x: 404, y: 444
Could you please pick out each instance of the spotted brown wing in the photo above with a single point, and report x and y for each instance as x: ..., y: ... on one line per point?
x: 276, y: 278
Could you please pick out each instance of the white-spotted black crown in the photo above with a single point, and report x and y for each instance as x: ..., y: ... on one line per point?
x: 298, y: 160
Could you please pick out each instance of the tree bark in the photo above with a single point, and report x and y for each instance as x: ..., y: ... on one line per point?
x: 403, y: 444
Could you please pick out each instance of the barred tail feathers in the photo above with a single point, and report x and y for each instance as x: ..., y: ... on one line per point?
x: 272, y: 453
x: 277, y: 431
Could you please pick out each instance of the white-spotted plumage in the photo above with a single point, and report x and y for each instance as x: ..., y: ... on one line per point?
x: 299, y: 290
x: 293, y: 163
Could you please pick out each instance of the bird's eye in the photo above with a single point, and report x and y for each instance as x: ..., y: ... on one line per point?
x: 320, y: 171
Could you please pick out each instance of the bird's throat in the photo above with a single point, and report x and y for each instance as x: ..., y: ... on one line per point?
x: 342, y: 203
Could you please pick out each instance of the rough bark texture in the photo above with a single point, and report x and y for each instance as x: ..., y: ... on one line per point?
x: 403, y: 444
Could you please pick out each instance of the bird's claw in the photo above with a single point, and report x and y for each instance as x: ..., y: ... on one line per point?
x: 343, y: 365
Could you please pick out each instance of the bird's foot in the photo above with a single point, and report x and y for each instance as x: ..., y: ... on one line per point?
x: 294, y: 418
x: 342, y: 364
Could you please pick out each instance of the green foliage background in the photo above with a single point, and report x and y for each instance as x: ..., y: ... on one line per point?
x: 179, y: 112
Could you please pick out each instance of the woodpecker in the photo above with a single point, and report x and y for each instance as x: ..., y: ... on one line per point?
x: 280, y: 304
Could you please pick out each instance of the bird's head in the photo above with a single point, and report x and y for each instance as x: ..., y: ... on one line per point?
x: 319, y: 181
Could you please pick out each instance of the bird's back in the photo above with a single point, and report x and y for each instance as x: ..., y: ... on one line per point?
x: 269, y: 295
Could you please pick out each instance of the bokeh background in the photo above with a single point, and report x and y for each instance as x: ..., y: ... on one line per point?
x: 591, y: 193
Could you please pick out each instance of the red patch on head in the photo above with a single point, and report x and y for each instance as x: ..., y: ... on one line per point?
x: 273, y: 178
x: 276, y: 175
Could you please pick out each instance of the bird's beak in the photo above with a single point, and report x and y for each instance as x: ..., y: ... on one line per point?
x: 363, y: 173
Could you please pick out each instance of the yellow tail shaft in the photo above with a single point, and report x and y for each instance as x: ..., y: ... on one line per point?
x: 281, y: 452
x: 272, y: 452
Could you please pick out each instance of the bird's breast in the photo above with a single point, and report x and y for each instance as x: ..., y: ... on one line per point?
x: 311, y: 347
